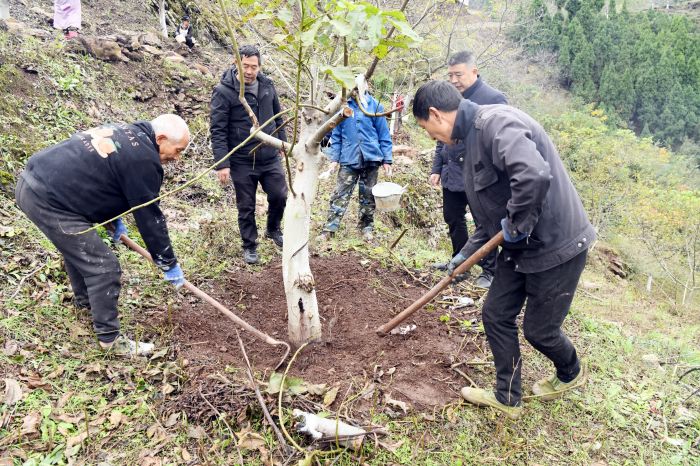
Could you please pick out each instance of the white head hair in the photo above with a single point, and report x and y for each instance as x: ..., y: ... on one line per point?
x: 171, y: 126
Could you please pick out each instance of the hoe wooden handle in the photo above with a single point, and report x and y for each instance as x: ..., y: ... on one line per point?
x: 131, y: 244
x: 482, y: 252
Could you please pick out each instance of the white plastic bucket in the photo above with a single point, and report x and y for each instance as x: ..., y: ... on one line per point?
x: 387, y: 195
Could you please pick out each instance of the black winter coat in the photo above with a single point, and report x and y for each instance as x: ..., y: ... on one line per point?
x: 512, y: 170
x: 102, y: 172
x: 230, y: 123
x: 448, y: 160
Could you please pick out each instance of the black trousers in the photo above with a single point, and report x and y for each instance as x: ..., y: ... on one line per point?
x: 548, y: 295
x: 454, y: 208
x: 93, y: 269
x: 245, y: 180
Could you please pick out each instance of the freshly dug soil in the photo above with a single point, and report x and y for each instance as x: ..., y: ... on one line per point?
x: 356, y: 296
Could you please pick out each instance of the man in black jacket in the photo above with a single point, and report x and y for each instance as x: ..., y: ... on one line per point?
x: 253, y: 163
x: 447, y: 165
x: 516, y: 183
x: 92, y: 177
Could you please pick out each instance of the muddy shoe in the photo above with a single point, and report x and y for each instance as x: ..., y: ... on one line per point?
x: 368, y: 234
x: 276, y: 237
x: 481, y: 397
x: 551, y: 388
x: 250, y: 256
x: 484, y: 281
x: 123, y: 346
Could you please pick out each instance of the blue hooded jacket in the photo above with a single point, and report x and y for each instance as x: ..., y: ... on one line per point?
x: 361, y: 138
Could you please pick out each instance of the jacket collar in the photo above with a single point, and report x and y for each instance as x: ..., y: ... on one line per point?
x: 230, y: 79
x: 147, y: 129
x: 469, y: 92
x: 464, y: 122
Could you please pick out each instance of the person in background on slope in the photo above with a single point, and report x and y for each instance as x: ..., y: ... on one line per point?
x: 183, y: 33
x: 447, y: 164
x: 67, y: 16
x: 359, y: 145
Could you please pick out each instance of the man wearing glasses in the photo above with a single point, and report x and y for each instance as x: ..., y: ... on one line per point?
x: 447, y: 165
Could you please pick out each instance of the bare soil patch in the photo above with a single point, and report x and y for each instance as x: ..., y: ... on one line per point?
x: 356, y: 295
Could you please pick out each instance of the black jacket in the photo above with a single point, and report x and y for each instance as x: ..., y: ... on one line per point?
x: 512, y: 170
x: 448, y: 160
x: 103, y: 172
x: 230, y: 123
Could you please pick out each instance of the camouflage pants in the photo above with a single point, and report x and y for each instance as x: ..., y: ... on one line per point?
x: 348, y: 177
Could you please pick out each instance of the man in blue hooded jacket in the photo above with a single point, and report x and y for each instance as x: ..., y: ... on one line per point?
x: 360, y: 145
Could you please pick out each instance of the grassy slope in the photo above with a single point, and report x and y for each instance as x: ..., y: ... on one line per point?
x: 630, y: 413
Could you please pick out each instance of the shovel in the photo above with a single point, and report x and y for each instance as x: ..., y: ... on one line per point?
x: 482, y: 252
x: 220, y: 307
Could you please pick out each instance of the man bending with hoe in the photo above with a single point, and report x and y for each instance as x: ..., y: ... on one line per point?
x: 92, y: 177
x: 516, y: 183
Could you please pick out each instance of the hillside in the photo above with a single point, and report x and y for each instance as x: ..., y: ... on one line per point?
x: 635, y: 319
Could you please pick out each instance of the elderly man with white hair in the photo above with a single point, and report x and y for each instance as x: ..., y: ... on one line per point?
x: 90, y: 178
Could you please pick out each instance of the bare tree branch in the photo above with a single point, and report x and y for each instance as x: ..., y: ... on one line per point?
x: 331, y: 123
x: 239, y: 66
x: 373, y: 66
x: 272, y: 141
x: 383, y: 114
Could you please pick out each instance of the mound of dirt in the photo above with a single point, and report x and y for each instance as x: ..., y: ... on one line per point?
x: 356, y: 296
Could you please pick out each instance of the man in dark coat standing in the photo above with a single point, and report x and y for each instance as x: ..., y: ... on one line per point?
x: 447, y: 164
x: 516, y: 183
x: 90, y: 178
x: 253, y: 163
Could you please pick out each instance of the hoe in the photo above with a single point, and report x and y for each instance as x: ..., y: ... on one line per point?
x: 220, y: 307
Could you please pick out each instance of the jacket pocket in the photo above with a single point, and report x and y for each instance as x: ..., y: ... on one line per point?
x: 484, y: 178
x: 487, y: 186
x: 529, y: 243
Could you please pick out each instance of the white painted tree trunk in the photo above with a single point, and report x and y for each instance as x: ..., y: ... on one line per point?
x: 163, y: 24
x: 4, y: 9
x: 304, y: 323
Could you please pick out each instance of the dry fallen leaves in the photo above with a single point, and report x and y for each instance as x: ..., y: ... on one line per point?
x: 151, y: 461
x: 64, y: 399
x: 115, y: 419
x: 35, y: 381
x: 30, y: 424
x: 57, y: 372
x: 392, y: 446
x: 196, y: 432
x: 402, y: 405
x: 172, y: 419
x: 76, y: 439
x: 13, y: 392
x: 167, y: 389
x: 11, y: 347
x: 330, y: 396
x: 70, y: 419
